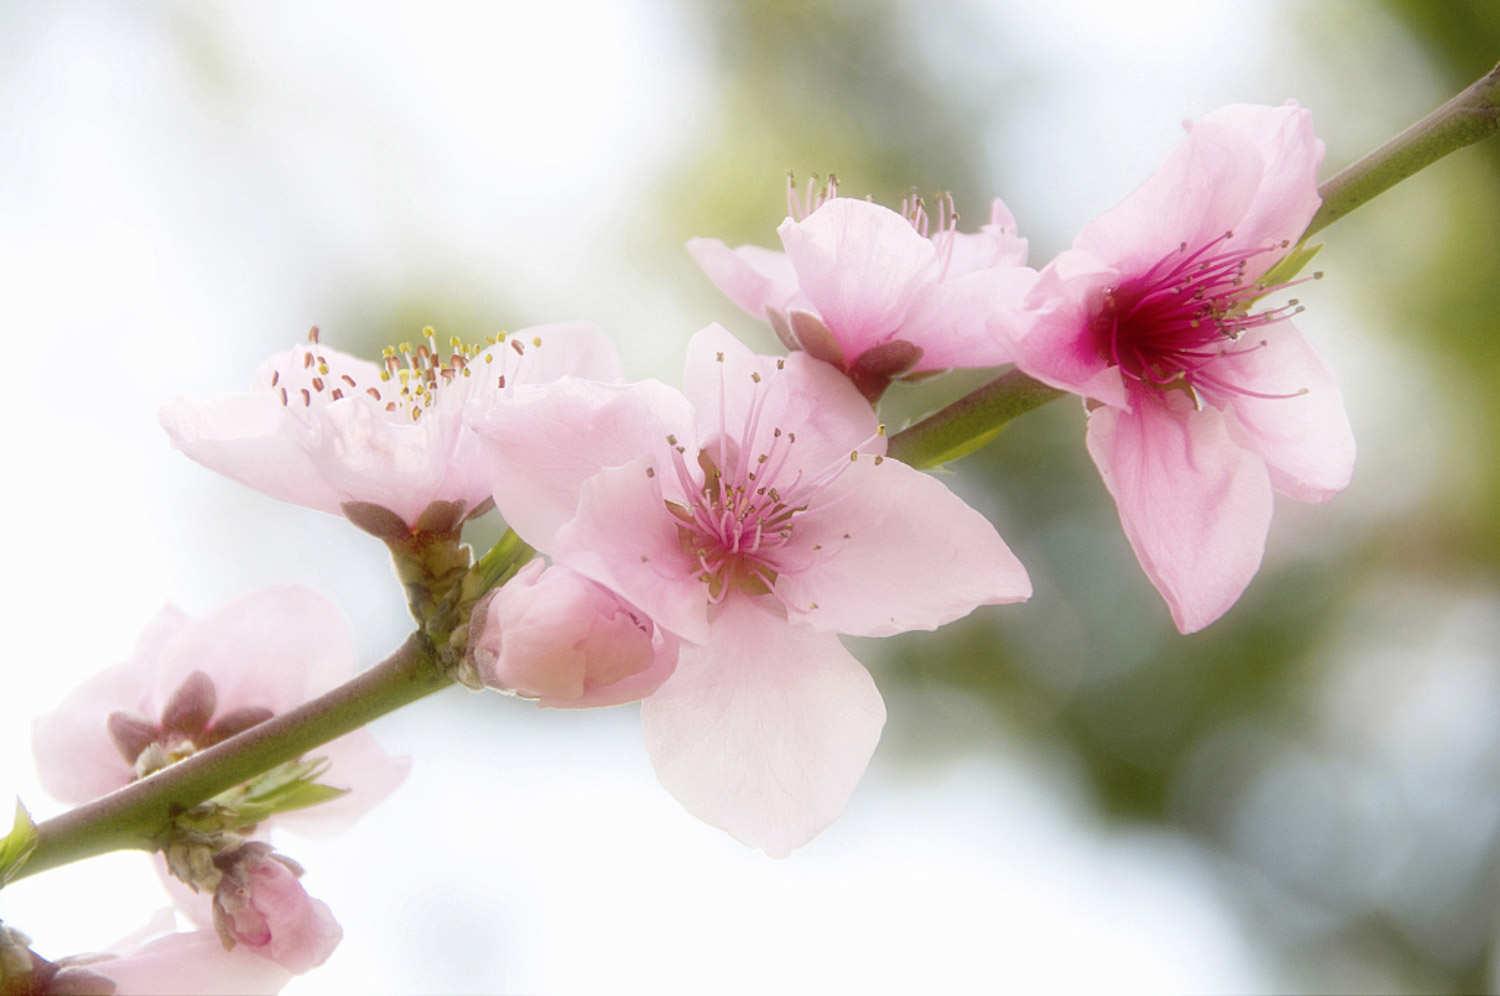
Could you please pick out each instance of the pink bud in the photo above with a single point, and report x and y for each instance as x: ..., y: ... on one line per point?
x: 260, y: 904
x: 553, y: 635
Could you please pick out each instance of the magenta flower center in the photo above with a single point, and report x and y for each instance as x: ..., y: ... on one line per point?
x: 1172, y: 326
x: 738, y: 522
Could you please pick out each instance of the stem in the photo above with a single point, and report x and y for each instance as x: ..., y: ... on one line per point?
x: 1469, y: 117
x: 975, y: 419
x: 970, y: 422
x: 499, y: 565
x: 136, y: 815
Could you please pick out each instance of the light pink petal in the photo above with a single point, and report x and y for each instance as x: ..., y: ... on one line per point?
x: 303, y: 929
x: 751, y: 277
x: 396, y: 463
x: 1195, y: 505
x: 1055, y: 339
x: 794, y: 394
x: 888, y: 549
x: 959, y: 323
x: 568, y: 349
x: 251, y: 438
x: 860, y: 265
x: 765, y: 731
x: 995, y: 244
x: 274, y: 648
x: 1282, y: 140
x: 553, y: 635
x: 1305, y: 440
x: 196, y: 905
x: 665, y: 649
x: 548, y: 440
x: 76, y: 759
x: 624, y: 538
x: 1247, y: 169
x: 192, y: 964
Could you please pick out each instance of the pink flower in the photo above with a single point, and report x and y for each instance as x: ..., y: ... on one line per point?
x: 1204, y: 403
x: 260, y: 904
x: 756, y: 518
x: 158, y: 960
x: 322, y: 428
x: 553, y: 635
x: 866, y: 289
x: 191, y: 684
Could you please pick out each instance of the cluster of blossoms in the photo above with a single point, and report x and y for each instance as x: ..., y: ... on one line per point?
x: 703, y: 548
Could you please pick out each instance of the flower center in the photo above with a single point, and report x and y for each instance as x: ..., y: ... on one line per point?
x: 738, y: 521
x: 409, y: 379
x: 186, y: 726
x: 1171, y: 327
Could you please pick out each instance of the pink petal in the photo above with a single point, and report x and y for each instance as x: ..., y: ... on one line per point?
x: 303, y: 929
x: 568, y: 349
x: 624, y: 538
x: 547, y: 441
x: 860, y: 265
x: 76, y: 759
x: 1282, y: 140
x: 252, y: 439
x: 634, y: 688
x: 1195, y: 505
x: 794, y: 394
x: 1055, y: 342
x: 1247, y: 169
x: 751, y: 277
x: 274, y: 648
x: 889, y: 549
x: 765, y: 731
x: 995, y: 244
x: 552, y: 635
x: 1305, y: 440
x: 958, y: 324
x: 192, y: 964
x: 400, y: 465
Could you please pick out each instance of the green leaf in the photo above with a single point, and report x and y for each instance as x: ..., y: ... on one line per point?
x: 289, y: 786
x: 17, y: 845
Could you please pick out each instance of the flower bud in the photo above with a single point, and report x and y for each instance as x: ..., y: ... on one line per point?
x: 260, y: 904
x: 553, y: 635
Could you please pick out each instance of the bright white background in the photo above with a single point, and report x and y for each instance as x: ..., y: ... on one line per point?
x: 183, y: 189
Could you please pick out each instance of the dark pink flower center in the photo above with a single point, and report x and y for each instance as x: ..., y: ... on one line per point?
x: 738, y: 521
x: 1173, y: 325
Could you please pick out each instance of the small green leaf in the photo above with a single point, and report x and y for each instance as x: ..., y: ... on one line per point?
x: 289, y: 786
x: 17, y: 845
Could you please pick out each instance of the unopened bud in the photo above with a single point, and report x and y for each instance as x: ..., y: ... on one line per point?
x: 553, y: 635
x: 260, y: 904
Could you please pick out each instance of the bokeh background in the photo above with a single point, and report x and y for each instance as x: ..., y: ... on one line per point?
x: 1068, y: 794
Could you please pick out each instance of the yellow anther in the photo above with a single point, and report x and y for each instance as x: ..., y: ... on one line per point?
x: 536, y: 340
